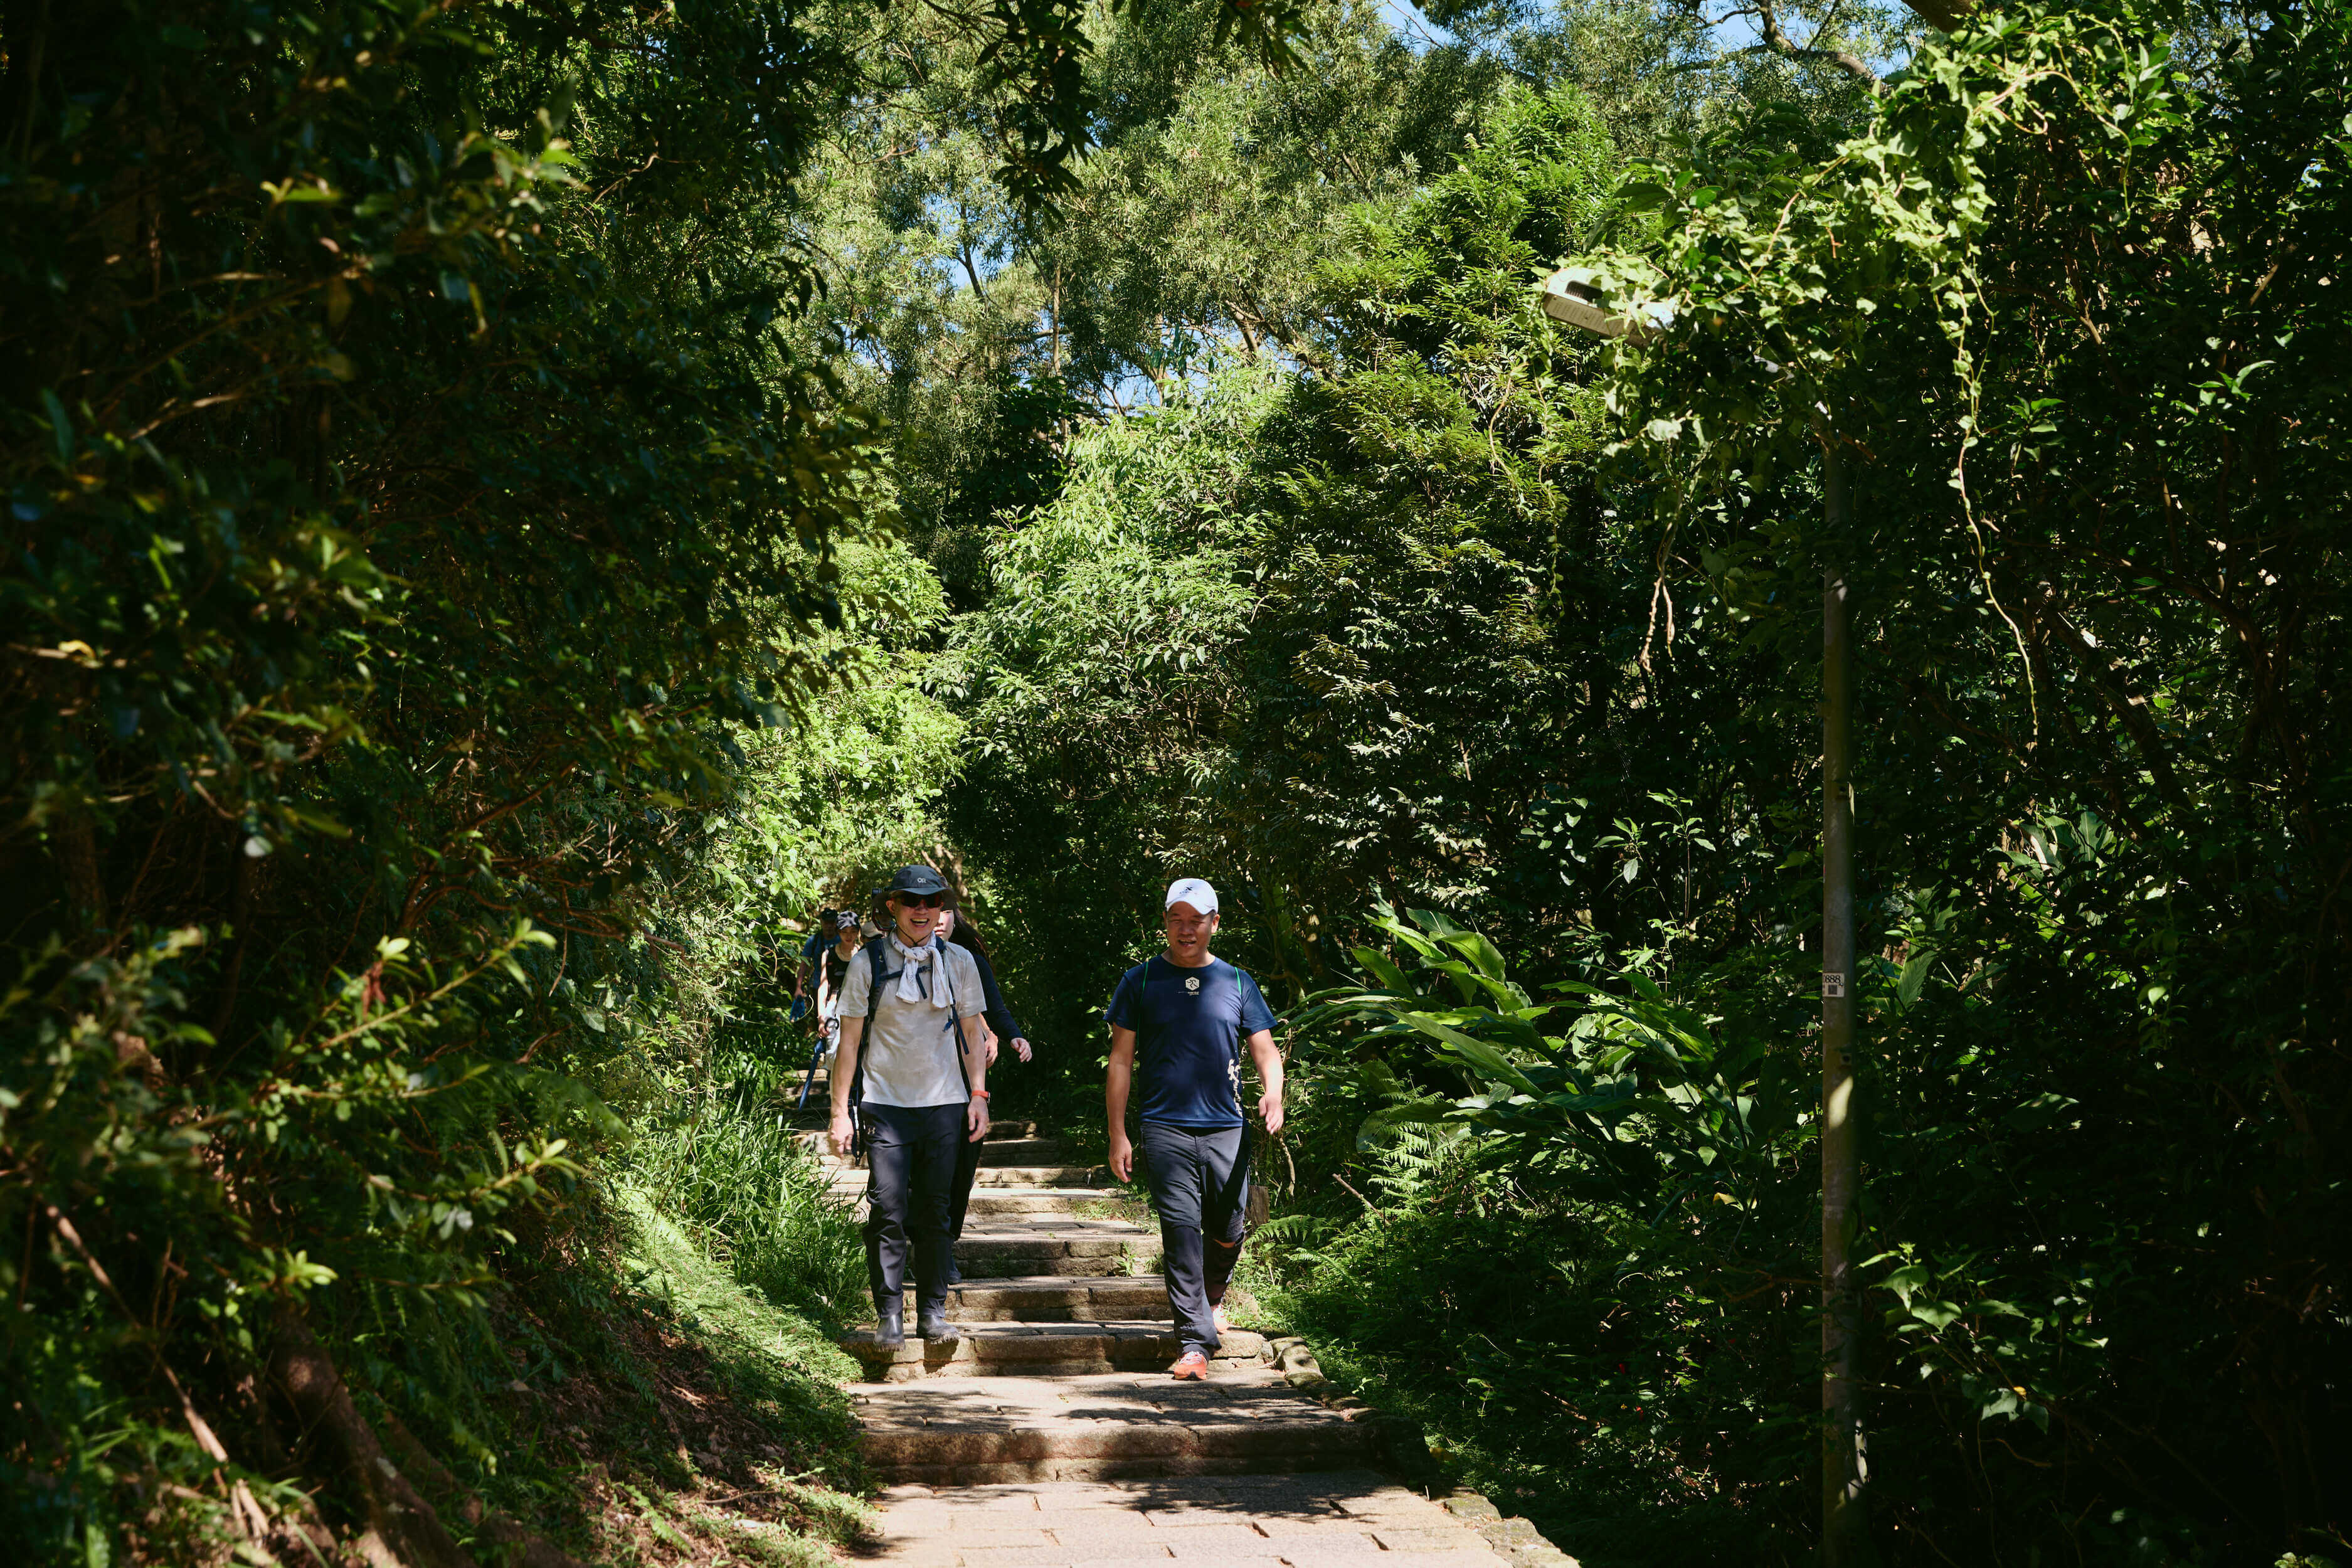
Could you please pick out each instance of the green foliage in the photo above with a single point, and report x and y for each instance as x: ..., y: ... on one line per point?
x: 1636, y: 1415
x: 812, y: 813
x: 426, y: 543
x: 2093, y: 542
x: 1269, y: 634
x: 1629, y: 1379
x: 1649, y: 1104
x: 1661, y: 73
x: 2035, y: 307
x: 723, y: 1159
x: 1220, y: 193
x: 1193, y: 235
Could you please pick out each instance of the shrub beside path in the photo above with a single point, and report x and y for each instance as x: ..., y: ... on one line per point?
x: 1049, y: 1433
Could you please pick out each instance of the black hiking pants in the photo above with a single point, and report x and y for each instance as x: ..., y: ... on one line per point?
x: 1200, y: 1184
x: 910, y: 1160
x: 967, y: 1172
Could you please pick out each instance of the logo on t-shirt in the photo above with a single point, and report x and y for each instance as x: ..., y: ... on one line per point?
x: 1193, y: 984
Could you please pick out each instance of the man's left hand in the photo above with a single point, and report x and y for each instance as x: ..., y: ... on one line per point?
x: 1269, y: 1110
x: 975, y: 1119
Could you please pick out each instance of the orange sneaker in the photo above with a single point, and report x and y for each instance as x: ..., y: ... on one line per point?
x: 1191, y: 1364
x: 1225, y: 1324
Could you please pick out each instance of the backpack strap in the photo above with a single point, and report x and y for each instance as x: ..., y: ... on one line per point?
x: 858, y: 1079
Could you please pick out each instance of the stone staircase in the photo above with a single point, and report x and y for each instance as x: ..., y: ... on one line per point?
x: 1059, y: 1371
x: 1049, y: 1434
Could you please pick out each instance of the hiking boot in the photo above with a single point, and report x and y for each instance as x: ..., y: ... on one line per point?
x: 890, y: 1324
x: 1191, y: 1364
x: 932, y: 1322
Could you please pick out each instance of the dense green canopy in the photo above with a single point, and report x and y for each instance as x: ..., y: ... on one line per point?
x: 513, y: 506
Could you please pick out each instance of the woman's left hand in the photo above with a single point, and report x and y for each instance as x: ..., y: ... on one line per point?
x: 1020, y: 1047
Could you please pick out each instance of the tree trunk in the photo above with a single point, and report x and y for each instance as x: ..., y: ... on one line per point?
x: 402, y: 1527
x: 1845, y: 1538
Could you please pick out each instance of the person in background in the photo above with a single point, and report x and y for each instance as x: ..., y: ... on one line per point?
x: 956, y: 927
x: 925, y: 1091
x: 819, y: 937
x: 1179, y: 1020
x: 842, y: 941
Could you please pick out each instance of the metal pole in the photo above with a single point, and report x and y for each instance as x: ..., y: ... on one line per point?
x: 1845, y: 1533
x: 1845, y: 1539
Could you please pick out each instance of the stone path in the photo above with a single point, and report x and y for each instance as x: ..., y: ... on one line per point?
x: 1343, y: 1519
x: 1048, y: 1434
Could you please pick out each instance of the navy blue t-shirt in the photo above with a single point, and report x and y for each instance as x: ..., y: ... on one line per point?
x: 1189, y: 1027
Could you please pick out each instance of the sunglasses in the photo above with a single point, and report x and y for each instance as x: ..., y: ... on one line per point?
x: 920, y: 900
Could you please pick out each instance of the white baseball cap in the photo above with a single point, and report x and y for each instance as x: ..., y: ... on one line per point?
x: 1192, y: 890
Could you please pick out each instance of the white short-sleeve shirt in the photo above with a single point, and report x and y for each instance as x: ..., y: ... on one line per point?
x: 910, y: 1049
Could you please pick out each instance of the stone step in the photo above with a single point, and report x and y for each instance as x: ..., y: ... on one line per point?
x: 1003, y: 1148
x: 1028, y: 1200
x: 1055, y: 1298
x: 980, y: 1264
x: 1024, y: 1200
x: 1009, y: 1247
x: 1318, y: 1518
x: 999, y: 1133
x: 846, y: 1177
x: 1042, y: 1177
x: 967, y: 1431
x: 1044, y: 1351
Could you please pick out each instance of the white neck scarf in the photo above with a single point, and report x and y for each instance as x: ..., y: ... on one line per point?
x: 911, y: 990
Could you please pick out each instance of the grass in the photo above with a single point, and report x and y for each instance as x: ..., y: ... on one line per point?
x: 636, y: 1404
x: 774, y: 1356
x: 675, y: 1394
x: 779, y: 1375
x: 726, y: 1162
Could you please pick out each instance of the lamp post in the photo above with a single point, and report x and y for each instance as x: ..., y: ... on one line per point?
x: 1845, y: 1541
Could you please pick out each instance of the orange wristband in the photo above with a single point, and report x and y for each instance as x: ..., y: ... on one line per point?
x: 980, y: 1094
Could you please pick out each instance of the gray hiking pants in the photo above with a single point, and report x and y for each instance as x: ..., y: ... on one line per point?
x: 1200, y: 1184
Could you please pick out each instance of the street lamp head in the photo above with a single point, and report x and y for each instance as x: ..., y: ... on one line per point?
x: 1568, y: 298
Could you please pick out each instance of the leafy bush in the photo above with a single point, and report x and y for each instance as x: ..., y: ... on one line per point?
x: 1635, y: 1378
x: 414, y: 507
x: 1578, y: 1365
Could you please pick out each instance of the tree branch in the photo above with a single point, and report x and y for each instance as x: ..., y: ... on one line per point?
x: 1767, y: 21
x: 1943, y: 15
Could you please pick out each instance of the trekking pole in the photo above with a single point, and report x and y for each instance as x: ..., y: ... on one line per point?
x: 817, y: 1057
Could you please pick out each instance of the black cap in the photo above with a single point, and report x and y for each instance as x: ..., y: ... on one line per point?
x: 917, y: 880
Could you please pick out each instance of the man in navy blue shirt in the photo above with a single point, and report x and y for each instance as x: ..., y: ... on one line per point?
x: 1179, y: 1021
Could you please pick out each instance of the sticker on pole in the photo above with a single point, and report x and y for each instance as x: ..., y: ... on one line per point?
x: 1833, y: 985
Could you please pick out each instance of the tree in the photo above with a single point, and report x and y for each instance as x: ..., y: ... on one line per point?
x: 2036, y: 461
x: 1305, y: 634
x: 413, y: 489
